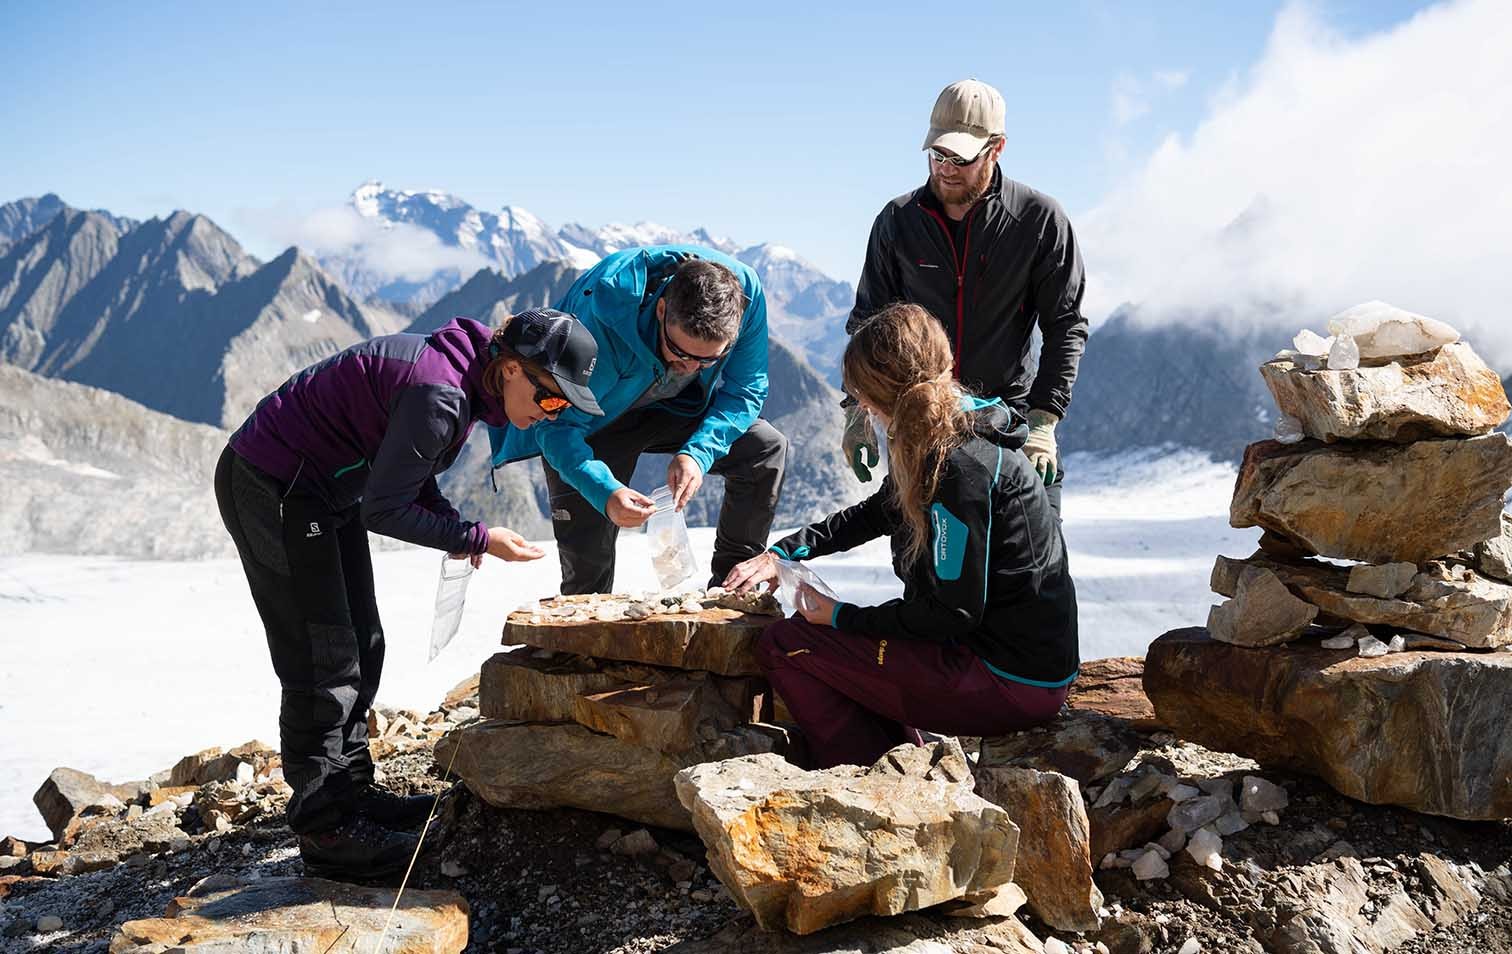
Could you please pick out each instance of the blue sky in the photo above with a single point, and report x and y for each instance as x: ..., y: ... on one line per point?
x: 788, y: 122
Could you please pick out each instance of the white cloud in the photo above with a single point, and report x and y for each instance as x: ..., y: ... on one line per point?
x: 1129, y: 100
x: 1335, y: 171
x: 1170, y: 79
x: 397, y: 250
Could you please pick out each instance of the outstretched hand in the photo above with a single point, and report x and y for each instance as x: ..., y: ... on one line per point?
x: 508, y: 545
x: 628, y: 508
x: 814, y: 606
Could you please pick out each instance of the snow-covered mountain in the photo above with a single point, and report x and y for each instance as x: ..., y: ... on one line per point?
x: 806, y: 307
x: 615, y: 237
x: 512, y: 240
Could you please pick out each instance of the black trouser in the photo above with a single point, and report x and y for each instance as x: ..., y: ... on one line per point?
x: 752, y: 472
x: 312, y: 579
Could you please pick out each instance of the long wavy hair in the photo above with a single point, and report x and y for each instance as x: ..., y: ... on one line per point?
x: 900, y: 362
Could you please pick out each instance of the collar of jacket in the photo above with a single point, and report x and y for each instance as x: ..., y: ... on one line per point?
x: 926, y: 198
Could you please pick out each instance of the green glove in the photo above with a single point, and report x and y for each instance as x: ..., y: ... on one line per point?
x: 1040, y: 447
x: 859, y: 443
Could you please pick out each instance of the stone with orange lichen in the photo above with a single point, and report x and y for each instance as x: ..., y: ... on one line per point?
x: 1449, y: 392
x: 806, y: 850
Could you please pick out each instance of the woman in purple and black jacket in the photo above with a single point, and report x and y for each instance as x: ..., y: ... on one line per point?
x: 350, y: 445
x: 984, y: 639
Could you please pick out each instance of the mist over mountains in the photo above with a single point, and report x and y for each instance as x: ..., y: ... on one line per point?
x: 174, y: 316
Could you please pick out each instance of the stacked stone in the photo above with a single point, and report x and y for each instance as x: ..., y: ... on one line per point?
x: 1398, y: 470
x: 1385, y: 457
x: 596, y: 708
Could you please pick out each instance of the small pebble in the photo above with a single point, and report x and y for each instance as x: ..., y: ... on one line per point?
x: 49, y: 923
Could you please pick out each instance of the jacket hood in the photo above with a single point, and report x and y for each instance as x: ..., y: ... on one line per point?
x: 464, y: 343
x: 997, y: 423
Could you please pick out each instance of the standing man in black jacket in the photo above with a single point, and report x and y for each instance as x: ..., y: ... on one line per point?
x: 990, y: 258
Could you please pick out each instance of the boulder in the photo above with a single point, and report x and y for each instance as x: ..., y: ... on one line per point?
x: 1114, y: 687
x: 1262, y: 612
x: 716, y: 640
x: 67, y: 792
x: 1055, y: 861
x: 538, y: 765
x: 807, y: 850
x: 1423, y: 730
x: 1445, y: 600
x: 1081, y: 744
x: 1376, y: 503
x: 301, y: 914
x: 215, y: 765
x: 1445, y: 393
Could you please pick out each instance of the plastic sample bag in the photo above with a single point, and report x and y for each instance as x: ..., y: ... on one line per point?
x: 789, y: 575
x: 671, y: 549
x: 451, y: 594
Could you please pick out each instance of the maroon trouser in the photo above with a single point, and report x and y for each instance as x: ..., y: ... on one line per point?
x: 855, y: 696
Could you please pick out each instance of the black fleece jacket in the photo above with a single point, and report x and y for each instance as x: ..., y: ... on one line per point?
x: 1016, y: 265
x: 995, y: 578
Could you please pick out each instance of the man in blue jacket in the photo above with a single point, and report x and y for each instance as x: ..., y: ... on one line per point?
x: 682, y: 370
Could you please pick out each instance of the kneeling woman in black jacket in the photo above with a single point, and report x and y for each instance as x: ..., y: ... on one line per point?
x: 983, y: 640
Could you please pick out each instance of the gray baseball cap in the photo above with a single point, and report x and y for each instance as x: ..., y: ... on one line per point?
x: 563, y: 346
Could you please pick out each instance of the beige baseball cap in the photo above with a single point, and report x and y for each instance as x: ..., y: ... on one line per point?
x: 965, y: 116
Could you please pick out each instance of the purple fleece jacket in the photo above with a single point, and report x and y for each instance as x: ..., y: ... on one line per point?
x: 375, y: 424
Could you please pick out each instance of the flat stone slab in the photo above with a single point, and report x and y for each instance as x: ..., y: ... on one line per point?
x: 1423, y: 730
x: 669, y: 710
x: 282, y: 915
x: 1376, y: 503
x: 674, y: 716
x: 564, y: 765
x: 1449, y: 392
x: 714, y: 640
x: 806, y: 850
x: 1448, y: 601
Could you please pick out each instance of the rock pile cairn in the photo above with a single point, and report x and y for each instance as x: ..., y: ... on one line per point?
x: 1372, y: 667
x: 1384, y: 457
x: 606, y: 697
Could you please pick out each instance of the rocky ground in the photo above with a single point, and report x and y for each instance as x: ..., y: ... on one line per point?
x: 571, y: 881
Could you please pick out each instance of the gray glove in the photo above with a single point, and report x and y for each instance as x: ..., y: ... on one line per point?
x: 859, y: 443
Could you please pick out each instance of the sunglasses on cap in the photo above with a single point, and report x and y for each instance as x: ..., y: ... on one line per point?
x: 547, y: 399
x: 704, y: 361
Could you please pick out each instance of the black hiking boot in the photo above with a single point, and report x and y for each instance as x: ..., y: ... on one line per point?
x: 359, y: 850
x: 399, y: 812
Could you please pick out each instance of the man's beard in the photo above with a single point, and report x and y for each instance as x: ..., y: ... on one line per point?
x: 973, y: 186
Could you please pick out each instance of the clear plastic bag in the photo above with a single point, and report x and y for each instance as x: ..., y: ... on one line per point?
x: 789, y: 575
x: 451, y: 594
x: 671, y: 548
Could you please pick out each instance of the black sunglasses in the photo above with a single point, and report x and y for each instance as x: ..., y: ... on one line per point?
x: 547, y: 399
x: 704, y: 361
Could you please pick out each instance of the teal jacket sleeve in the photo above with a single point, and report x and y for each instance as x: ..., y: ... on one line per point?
x: 564, y: 444
x: 954, y: 598
x: 742, y: 390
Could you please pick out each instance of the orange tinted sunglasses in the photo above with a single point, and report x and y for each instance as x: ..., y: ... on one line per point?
x: 547, y: 399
